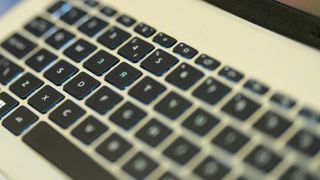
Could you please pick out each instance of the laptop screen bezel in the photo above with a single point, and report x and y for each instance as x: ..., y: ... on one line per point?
x: 277, y: 17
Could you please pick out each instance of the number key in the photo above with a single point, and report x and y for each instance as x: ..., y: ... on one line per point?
x: 39, y: 26
x: 184, y: 76
x: 211, y: 91
x: 113, y: 38
x: 230, y: 140
x: 159, y: 62
x: 272, y: 124
x: 241, y: 107
x: 305, y: 142
x: 135, y: 49
x: 200, y: 122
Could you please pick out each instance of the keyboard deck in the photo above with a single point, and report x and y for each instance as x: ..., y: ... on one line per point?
x: 103, y: 96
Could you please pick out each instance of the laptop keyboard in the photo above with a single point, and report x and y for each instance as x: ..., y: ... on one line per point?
x: 90, y: 88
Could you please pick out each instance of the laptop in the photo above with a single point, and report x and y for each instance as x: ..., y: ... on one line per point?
x: 164, y: 90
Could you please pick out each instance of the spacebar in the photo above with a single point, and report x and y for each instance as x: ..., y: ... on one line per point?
x: 66, y: 156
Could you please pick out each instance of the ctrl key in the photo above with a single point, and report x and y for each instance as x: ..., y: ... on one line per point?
x: 63, y: 154
x: 19, y: 120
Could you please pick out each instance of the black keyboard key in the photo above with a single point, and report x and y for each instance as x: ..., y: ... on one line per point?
x: 60, y: 72
x: 91, y: 3
x: 66, y: 114
x: 59, y: 38
x: 127, y: 116
x: 230, y: 140
x: 185, y: 50
x: 79, y: 50
x: 147, y: 90
x: 26, y: 85
x: 45, y: 99
x: 210, y: 168
x: 305, y: 142
x: 283, y: 101
x: 126, y: 20
x: 256, y: 87
x: 140, y: 166
x: 211, y: 91
x: 73, y: 15
x: 184, y: 76
x: 89, y: 130
x: 263, y: 159
x: 168, y: 176
x: 59, y: 8
x: 231, y: 74
x: 153, y: 133
x: 20, y: 120
x: 113, y: 38
x: 181, y: 151
x: 114, y: 147
x: 101, y: 62
x: 173, y: 105
x: 310, y: 114
x: 81, y: 85
x: 104, y: 100
x: 123, y: 76
x: 7, y: 103
x: 159, y: 62
x: 144, y: 30
x: 164, y: 40
x: 65, y: 156
x: 8, y: 70
x: 135, y: 49
x: 108, y: 11
x: 92, y: 26
x: 200, y: 122
x: 40, y: 60
x: 272, y: 124
x: 207, y: 62
x: 241, y: 107
x: 39, y: 26
x: 18, y: 45
x: 296, y: 173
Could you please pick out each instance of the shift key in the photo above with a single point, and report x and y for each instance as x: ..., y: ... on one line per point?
x: 63, y: 154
